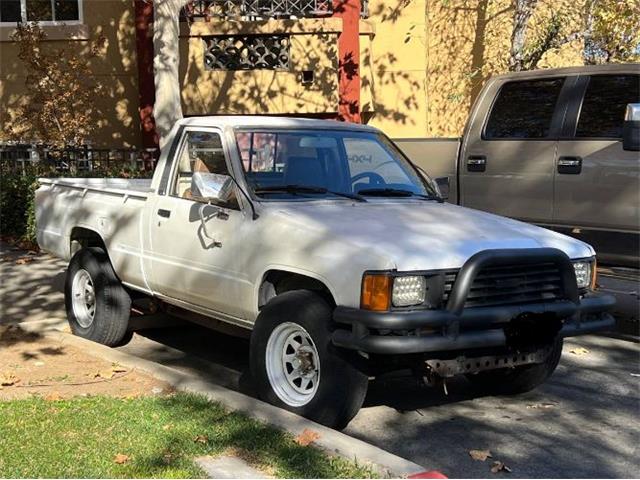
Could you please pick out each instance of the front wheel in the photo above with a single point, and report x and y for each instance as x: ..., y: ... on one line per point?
x: 295, y: 365
x: 512, y: 381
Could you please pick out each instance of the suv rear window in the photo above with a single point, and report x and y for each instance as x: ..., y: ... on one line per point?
x: 604, y: 104
x: 524, y: 109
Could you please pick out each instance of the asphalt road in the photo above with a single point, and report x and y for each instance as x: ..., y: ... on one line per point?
x: 584, y: 422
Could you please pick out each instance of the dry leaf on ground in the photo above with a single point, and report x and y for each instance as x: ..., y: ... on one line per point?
x: 121, y: 458
x: 7, y: 380
x: 24, y: 260
x: 53, y: 397
x: 168, y: 426
x: 201, y: 439
x: 499, y: 467
x: 480, y: 455
x: 307, y: 437
x: 579, y: 351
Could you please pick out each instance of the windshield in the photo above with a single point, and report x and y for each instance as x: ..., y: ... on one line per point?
x: 290, y: 164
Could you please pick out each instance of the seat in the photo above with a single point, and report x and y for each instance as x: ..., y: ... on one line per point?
x: 307, y: 171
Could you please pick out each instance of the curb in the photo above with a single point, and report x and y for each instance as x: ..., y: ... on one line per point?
x: 330, y: 441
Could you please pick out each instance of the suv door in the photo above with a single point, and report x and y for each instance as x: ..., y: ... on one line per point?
x: 596, y: 181
x: 507, y: 162
x: 186, y: 264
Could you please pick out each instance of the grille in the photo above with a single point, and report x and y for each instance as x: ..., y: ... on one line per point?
x: 247, y: 52
x: 510, y: 285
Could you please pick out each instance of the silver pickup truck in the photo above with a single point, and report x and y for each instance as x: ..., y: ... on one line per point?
x: 333, y: 251
x: 554, y: 148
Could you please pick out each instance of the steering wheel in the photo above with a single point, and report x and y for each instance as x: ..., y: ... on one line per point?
x: 374, y: 178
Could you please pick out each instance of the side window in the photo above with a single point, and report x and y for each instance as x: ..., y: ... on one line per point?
x: 604, y: 104
x: 524, y: 109
x: 201, y: 152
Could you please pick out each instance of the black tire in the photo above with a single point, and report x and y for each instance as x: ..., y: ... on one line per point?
x: 513, y: 381
x: 341, y: 387
x: 112, y: 302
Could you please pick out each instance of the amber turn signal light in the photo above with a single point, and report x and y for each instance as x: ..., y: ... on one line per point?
x: 376, y: 292
x: 594, y: 273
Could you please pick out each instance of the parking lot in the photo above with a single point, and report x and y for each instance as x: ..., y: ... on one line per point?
x: 581, y: 423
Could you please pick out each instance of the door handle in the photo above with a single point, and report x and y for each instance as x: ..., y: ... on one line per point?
x: 476, y: 163
x: 570, y: 165
x: 164, y: 213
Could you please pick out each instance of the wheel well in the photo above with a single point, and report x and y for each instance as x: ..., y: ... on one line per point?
x: 276, y: 282
x: 83, y: 238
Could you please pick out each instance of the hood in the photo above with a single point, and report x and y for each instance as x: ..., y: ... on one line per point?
x: 422, y: 235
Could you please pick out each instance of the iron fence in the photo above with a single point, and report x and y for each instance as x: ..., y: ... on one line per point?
x: 80, y: 160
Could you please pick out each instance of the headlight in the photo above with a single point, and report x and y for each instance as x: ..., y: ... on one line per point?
x: 408, y: 290
x: 583, y: 273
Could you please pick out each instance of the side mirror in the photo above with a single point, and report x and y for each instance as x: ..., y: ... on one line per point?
x: 631, y: 128
x: 442, y: 185
x: 211, y: 187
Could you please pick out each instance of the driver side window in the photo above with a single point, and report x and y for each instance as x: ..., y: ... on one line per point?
x: 201, y: 152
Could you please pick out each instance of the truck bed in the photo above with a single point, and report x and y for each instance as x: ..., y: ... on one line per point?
x: 112, y: 207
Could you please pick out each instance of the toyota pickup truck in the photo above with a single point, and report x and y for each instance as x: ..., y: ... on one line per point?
x: 555, y: 147
x: 334, y: 252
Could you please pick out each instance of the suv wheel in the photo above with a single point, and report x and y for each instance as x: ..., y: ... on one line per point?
x: 295, y: 366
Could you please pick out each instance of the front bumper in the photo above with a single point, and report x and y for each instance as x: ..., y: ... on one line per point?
x: 474, y: 328
x: 456, y: 328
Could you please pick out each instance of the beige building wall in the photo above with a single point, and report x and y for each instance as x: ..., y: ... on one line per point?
x: 422, y: 64
x: 116, y: 110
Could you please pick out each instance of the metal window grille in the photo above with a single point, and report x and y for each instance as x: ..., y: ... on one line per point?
x: 247, y: 52
x: 207, y: 9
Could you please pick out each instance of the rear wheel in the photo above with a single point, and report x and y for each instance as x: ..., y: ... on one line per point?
x: 512, y: 381
x: 295, y: 366
x: 97, y: 304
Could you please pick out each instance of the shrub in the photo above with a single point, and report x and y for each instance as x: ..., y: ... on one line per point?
x: 17, y: 195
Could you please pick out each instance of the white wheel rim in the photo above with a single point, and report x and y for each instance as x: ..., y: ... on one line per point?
x: 293, y: 364
x: 83, y: 298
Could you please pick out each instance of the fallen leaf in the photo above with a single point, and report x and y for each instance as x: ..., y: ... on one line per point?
x: 7, y: 380
x: 307, y: 437
x: 201, y: 439
x: 106, y: 374
x: 168, y: 426
x: 579, y: 351
x: 24, y: 260
x: 499, y: 467
x: 53, y: 397
x: 480, y: 455
x: 121, y: 458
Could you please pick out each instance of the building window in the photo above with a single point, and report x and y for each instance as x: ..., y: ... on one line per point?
x: 43, y: 11
x: 247, y: 52
x: 604, y: 104
x: 524, y: 109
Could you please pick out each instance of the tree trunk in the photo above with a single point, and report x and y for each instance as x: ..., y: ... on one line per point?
x: 523, y: 10
x: 168, y: 106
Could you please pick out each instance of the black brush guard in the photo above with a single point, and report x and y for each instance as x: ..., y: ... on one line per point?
x: 456, y: 328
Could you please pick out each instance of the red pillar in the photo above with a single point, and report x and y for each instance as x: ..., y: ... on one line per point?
x: 349, y: 59
x: 146, y: 85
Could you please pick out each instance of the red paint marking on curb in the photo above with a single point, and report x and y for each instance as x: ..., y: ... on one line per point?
x: 429, y: 474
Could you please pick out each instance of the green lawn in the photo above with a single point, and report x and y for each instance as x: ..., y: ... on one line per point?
x: 160, y: 435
